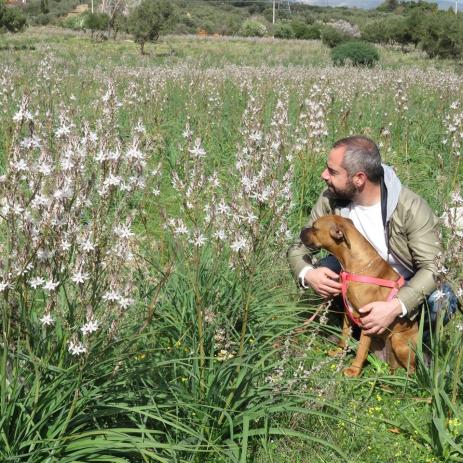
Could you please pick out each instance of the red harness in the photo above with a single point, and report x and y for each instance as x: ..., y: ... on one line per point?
x: 346, y: 277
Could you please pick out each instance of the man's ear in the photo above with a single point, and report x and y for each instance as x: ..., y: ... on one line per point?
x: 338, y: 233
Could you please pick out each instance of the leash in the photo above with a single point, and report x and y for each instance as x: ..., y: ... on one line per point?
x: 346, y: 277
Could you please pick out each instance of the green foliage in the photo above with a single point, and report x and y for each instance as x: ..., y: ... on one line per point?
x: 11, y: 19
x: 96, y: 21
x: 441, y: 378
x: 283, y: 30
x: 305, y: 31
x: 331, y: 37
x: 148, y: 19
x: 357, y: 52
x: 76, y: 22
x: 442, y: 35
x: 253, y: 28
x: 392, y: 29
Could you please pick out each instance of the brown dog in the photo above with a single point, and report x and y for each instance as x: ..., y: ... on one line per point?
x: 357, y: 256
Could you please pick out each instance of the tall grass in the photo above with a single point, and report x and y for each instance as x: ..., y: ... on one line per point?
x: 208, y: 363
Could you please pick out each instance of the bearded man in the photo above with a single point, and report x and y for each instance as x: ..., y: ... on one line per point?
x: 396, y: 221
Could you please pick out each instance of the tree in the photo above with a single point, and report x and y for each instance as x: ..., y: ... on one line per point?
x: 442, y: 35
x: 147, y: 21
x: 96, y: 22
x: 11, y: 19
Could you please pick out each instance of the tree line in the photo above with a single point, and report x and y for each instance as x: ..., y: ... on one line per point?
x: 403, y: 23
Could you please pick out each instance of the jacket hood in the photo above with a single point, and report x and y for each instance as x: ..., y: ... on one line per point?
x: 393, y: 187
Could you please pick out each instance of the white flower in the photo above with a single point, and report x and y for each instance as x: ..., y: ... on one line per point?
x: 66, y: 163
x: 219, y: 235
x: 65, y: 245
x: 238, y: 244
x: 125, y: 302
x: 123, y: 231
x: 76, y: 348
x: 199, y: 240
x: 181, y: 228
x: 20, y: 165
x: 62, y: 131
x: 4, y: 285
x: 47, y: 320
x: 439, y: 294
x: 50, y: 285
x: 89, y: 327
x: 45, y: 168
x: 36, y: 282
x: 197, y: 150
x: 80, y: 277
x: 111, y: 296
x: 87, y: 246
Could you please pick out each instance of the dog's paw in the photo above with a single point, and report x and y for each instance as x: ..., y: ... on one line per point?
x: 352, y: 372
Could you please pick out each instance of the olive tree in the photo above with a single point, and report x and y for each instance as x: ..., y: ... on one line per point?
x: 147, y: 21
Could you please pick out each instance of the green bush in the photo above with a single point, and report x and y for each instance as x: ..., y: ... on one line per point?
x: 73, y: 22
x: 331, y: 37
x: 358, y: 53
x: 305, y: 31
x: 253, y: 28
x: 283, y: 31
x: 96, y: 21
x: 11, y: 19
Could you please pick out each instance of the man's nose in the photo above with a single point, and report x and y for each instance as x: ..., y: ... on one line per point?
x: 325, y: 175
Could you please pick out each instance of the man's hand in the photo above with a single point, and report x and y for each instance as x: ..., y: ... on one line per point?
x: 376, y: 317
x: 324, y: 281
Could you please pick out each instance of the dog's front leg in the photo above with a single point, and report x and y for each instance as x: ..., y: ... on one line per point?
x: 362, y: 352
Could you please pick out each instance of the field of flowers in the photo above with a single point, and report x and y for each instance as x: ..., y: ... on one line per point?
x: 146, y: 205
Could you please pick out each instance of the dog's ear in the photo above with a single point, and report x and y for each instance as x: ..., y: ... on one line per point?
x: 338, y: 233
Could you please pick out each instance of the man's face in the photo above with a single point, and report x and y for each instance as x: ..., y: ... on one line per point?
x: 340, y: 184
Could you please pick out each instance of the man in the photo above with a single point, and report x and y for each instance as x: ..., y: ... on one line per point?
x: 396, y: 221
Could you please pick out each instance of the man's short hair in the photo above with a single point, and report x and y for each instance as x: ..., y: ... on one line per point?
x: 361, y: 155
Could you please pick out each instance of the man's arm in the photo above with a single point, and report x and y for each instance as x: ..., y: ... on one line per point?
x: 424, y: 243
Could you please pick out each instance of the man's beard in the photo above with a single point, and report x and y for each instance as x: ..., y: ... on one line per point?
x: 347, y: 193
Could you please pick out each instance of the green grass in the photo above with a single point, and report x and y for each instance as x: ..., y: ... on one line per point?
x: 165, y: 394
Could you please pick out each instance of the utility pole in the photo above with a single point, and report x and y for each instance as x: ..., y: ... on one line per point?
x: 456, y: 6
x: 273, y: 20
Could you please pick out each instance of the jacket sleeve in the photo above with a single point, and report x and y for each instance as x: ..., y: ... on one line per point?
x: 424, y: 244
x: 298, y: 254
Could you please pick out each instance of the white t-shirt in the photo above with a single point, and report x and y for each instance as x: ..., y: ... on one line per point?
x: 369, y: 222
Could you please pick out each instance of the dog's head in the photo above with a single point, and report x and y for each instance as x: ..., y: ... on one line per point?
x: 329, y: 232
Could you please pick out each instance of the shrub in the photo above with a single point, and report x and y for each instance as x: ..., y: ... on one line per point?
x: 253, y: 28
x: 283, y: 31
x: 331, y: 37
x: 359, y: 53
x: 305, y: 31
x: 96, y: 21
x: 11, y: 19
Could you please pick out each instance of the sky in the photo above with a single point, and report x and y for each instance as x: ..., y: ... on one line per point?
x: 443, y: 4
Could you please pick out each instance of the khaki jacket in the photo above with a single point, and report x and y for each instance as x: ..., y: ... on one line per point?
x: 412, y: 235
